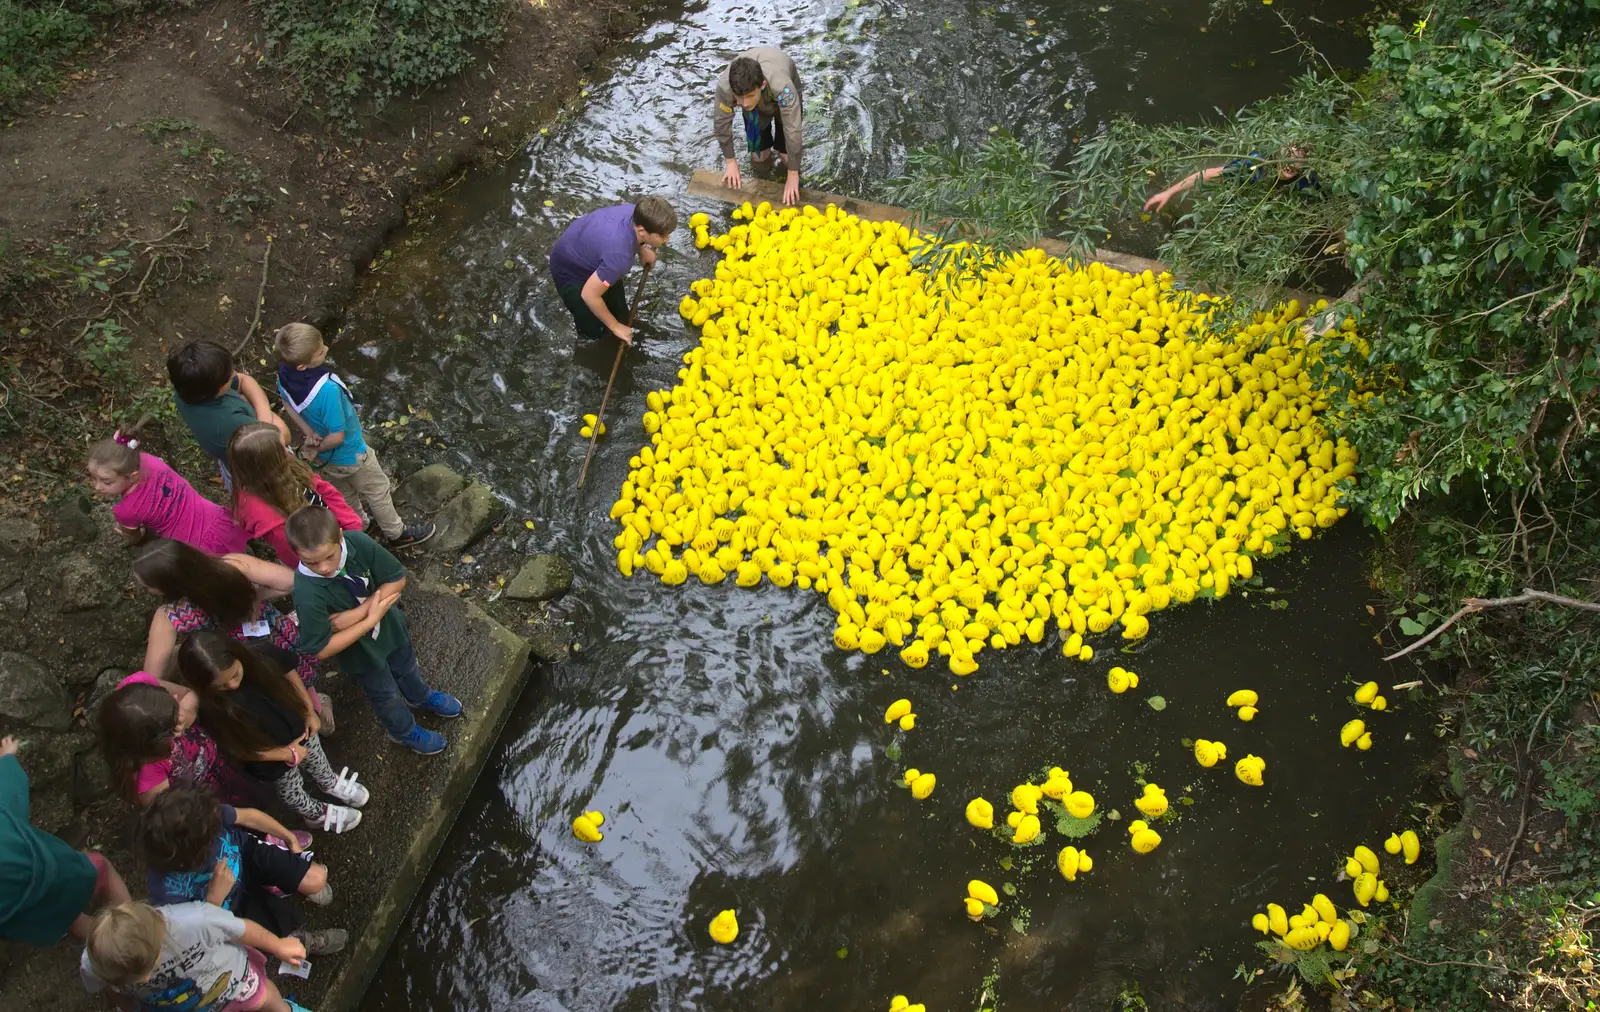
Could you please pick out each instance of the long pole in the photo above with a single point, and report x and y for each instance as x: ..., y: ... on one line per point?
x: 594, y: 435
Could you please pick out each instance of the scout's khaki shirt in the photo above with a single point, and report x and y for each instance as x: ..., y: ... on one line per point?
x: 781, y: 96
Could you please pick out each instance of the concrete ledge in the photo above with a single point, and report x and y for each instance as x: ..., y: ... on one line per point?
x: 378, y: 868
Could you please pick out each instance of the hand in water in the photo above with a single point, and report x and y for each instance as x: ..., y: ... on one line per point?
x: 624, y: 333
x: 791, y: 189
x: 730, y: 173
x: 1158, y: 202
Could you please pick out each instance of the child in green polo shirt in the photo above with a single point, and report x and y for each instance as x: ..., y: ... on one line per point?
x: 345, y: 593
x: 214, y: 399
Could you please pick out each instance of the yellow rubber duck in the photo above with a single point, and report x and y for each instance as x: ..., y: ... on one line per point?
x: 724, y: 928
x: 897, y: 709
x: 1025, y: 798
x: 1411, y: 846
x: 1120, y: 680
x: 1366, y: 858
x: 921, y: 785
x: 1247, y: 713
x: 1367, y: 693
x: 1079, y: 804
x: 1153, y: 803
x: 908, y: 722
x: 983, y: 892
x: 1339, y: 936
x: 1278, y: 919
x: 901, y: 1003
x: 1209, y: 753
x: 1365, y: 886
x: 1260, y: 923
x: 1380, y: 703
x: 974, y: 908
x: 1072, y: 862
x: 1144, y: 838
x: 1365, y: 741
x: 1392, y: 844
x: 1027, y: 830
x: 588, y: 427
x: 1057, y: 784
x: 1351, y: 732
x: 1251, y: 770
x: 1381, y: 893
x: 1324, y: 908
x: 980, y: 813
x: 1352, y: 867
x: 1243, y: 697
x: 586, y: 827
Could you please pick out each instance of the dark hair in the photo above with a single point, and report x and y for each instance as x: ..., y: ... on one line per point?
x: 204, y: 656
x: 178, y: 828
x: 261, y: 466
x: 198, y: 370
x: 178, y: 571
x: 745, y: 75
x: 311, y: 527
x: 136, y: 725
x: 655, y: 215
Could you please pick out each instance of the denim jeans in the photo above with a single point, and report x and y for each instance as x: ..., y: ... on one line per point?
x: 389, y: 689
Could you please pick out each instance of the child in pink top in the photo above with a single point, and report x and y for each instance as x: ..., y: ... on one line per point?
x: 153, y: 500
x: 270, y: 482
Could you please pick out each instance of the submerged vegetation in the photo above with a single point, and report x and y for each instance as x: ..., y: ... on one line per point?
x: 1457, y: 181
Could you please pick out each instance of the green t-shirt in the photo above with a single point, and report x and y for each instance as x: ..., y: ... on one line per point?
x: 44, y: 884
x: 368, y: 565
x: 214, y: 422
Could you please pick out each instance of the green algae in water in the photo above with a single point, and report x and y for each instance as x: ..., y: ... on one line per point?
x: 1069, y: 825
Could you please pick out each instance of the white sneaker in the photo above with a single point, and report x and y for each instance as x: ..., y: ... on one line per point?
x: 347, y: 790
x: 337, y: 819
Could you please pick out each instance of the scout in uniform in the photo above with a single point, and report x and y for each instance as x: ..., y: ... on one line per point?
x: 764, y: 85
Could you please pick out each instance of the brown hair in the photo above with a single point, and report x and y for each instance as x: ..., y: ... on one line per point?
x: 311, y: 527
x: 296, y: 343
x: 120, y: 453
x: 136, y: 727
x: 177, y: 830
x: 179, y: 572
x: 204, y: 656
x: 745, y: 75
x: 263, y: 467
x: 125, y: 943
x: 655, y: 215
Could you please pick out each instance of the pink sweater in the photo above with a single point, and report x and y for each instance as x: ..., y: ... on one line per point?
x: 167, y: 504
x: 260, y: 520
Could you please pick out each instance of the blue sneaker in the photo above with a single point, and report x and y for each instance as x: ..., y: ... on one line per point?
x: 422, y: 741
x: 440, y: 704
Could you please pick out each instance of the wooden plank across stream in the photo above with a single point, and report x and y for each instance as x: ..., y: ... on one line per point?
x: 708, y: 183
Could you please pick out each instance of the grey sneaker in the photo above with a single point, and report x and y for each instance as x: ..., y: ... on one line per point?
x: 413, y: 535
x: 326, y: 715
x: 325, y: 942
x: 322, y: 897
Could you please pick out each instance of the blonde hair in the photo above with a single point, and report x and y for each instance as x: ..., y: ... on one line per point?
x: 125, y: 943
x: 297, y: 343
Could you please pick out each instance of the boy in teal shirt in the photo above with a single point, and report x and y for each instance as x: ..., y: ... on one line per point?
x: 214, y: 399
x: 345, y: 593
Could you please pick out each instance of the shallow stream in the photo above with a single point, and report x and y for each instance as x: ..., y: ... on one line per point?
x: 740, y: 759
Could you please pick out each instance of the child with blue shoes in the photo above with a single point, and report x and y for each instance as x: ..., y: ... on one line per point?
x: 346, y: 590
x: 322, y: 408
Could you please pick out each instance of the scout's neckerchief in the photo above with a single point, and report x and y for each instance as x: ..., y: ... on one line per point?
x: 301, y: 386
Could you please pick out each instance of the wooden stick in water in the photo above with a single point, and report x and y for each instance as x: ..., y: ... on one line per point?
x: 594, y: 435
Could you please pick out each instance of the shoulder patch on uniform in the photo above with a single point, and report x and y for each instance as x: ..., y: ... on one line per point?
x: 724, y: 108
x: 785, y: 97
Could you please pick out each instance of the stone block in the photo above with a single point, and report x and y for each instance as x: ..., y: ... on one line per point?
x: 466, y: 518
x: 541, y: 578
x: 30, y: 696
x: 430, y: 488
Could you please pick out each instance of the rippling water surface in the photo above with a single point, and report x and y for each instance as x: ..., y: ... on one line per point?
x: 739, y: 758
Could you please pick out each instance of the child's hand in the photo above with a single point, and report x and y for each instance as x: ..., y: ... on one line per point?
x: 9, y: 745
x: 222, y: 881
x: 188, y: 711
x: 290, y: 950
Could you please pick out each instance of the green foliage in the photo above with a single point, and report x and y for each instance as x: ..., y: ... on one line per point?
x: 105, y: 352
x: 34, y: 39
x: 155, y: 128
x: 348, y: 52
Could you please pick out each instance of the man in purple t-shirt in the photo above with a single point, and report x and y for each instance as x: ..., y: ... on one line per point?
x: 594, y: 253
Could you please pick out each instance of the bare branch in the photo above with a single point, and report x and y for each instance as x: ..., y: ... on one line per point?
x: 1477, y: 604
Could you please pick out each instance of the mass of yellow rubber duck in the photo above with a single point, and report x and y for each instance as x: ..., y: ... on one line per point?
x: 1047, y: 444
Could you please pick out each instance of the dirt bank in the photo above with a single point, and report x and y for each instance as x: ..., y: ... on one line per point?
x: 173, y: 186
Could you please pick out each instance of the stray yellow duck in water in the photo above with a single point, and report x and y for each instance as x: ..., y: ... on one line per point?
x: 1057, y: 785
x: 908, y: 722
x: 1153, y: 803
x: 1248, y: 713
x: 1381, y: 894
x: 1079, y: 804
x: 1392, y: 844
x: 1025, y: 797
x: 1072, y: 862
x: 1251, y: 770
x: 1243, y: 697
x: 1365, y: 741
x: 1379, y: 703
x: 588, y: 427
x: 724, y: 928
x: 1367, y: 693
x: 900, y: 1003
x: 1411, y: 846
x: 981, y: 899
x: 1260, y: 923
x: 897, y: 709
x: 921, y: 783
x: 980, y: 813
x: 1120, y: 680
x: 1351, y: 732
x: 1144, y: 839
x: 1277, y: 918
x: 586, y: 827
x: 1209, y: 753
x: 1027, y: 829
